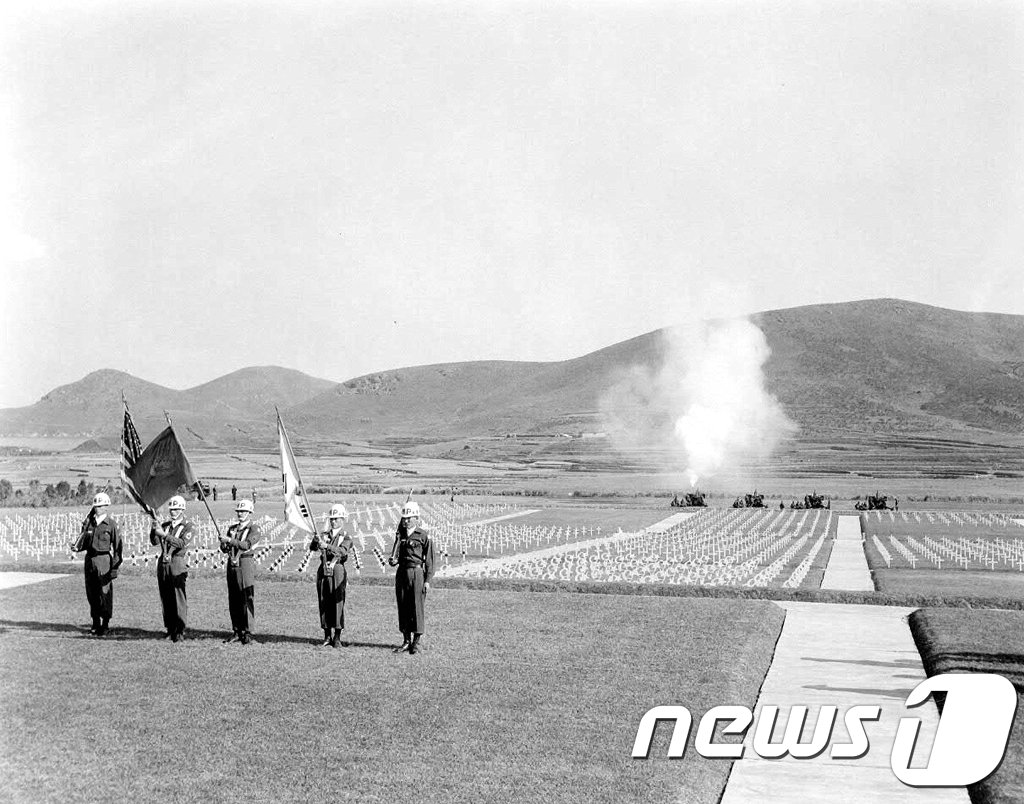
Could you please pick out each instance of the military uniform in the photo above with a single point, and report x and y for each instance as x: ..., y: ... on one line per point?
x: 332, y: 578
x: 241, y: 569
x: 102, y: 545
x: 414, y: 555
x: 172, y: 573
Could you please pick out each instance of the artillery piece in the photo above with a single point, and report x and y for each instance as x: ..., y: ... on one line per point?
x: 874, y: 502
x: 694, y: 499
x: 754, y: 500
x: 812, y: 501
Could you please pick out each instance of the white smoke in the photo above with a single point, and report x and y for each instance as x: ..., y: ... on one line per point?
x: 707, y: 401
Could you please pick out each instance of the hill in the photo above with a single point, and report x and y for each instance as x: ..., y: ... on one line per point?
x: 880, y: 366
x: 876, y: 367
x: 225, y: 410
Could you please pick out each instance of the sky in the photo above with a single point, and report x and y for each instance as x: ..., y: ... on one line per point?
x: 190, y: 188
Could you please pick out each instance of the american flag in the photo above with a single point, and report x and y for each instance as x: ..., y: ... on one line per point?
x: 131, y: 448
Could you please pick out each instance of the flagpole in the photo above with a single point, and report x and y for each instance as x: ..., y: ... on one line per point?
x: 133, y: 447
x: 120, y: 462
x: 199, y: 484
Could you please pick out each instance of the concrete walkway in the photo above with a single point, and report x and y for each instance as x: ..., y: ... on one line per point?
x: 9, y: 580
x: 502, y: 518
x: 845, y: 655
x: 847, y: 567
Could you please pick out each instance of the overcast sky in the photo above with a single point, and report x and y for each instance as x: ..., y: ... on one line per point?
x: 190, y: 188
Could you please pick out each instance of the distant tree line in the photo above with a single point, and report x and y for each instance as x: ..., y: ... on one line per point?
x: 52, y: 495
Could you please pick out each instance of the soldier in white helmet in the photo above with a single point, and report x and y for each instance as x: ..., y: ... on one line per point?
x: 241, y: 571
x: 331, y: 577
x: 174, y: 538
x: 413, y: 554
x: 102, y: 545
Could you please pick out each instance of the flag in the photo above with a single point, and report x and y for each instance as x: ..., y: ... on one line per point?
x: 296, y: 511
x: 160, y: 470
x: 131, y: 448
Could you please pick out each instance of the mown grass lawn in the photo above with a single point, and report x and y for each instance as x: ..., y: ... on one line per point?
x: 990, y: 641
x: 519, y: 697
x: 950, y: 582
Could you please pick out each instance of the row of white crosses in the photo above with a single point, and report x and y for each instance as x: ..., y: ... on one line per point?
x: 959, y: 519
x: 800, y: 573
x: 882, y: 551
x: 965, y: 552
x: 713, y: 548
x: 50, y: 535
x: 503, y: 538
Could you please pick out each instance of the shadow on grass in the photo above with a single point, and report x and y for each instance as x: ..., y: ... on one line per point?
x: 125, y: 634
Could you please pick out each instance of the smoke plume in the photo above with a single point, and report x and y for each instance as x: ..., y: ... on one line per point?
x: 706, y: 400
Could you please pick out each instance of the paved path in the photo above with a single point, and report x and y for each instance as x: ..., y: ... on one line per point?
x: 845, y: 655
x: 847, y: 567
x: 8, y: 580
x: 501, y: 518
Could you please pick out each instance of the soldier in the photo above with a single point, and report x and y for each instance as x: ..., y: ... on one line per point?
x: 174, y: 538
x: 413, y: 554
x: 331, y: 577
x: 234, y: 492
x: 102, y: 545
x: 241, y: 568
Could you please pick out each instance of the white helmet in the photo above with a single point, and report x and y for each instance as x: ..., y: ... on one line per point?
x: 101, y: 499
x: 176, y: 503
x: 338, y: 511
x: 244, y: 505
x: 411, y: 508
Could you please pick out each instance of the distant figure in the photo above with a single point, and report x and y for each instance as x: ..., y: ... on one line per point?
x: 782, y: 505
x: 254, y: 496
x: 234, y: 493
x: 896, y: 503
x: 215, y: 494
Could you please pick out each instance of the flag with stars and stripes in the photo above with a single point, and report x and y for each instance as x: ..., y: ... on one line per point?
x: 131, y: 449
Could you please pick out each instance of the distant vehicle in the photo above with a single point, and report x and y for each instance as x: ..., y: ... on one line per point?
x: 207, y: 489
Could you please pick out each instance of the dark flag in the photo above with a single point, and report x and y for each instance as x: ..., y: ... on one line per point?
x: 160, y: 470
x: 131, y: 449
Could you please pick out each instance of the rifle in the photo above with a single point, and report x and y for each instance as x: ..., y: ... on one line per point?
x: 78, y: 547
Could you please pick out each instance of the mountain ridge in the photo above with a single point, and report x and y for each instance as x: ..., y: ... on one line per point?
x: 879, y: 365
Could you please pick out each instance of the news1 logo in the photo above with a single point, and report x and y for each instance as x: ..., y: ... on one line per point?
x: 968, y: 745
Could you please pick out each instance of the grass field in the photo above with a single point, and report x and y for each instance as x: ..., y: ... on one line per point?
x: 980, y: 642
x: 519, y: 696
